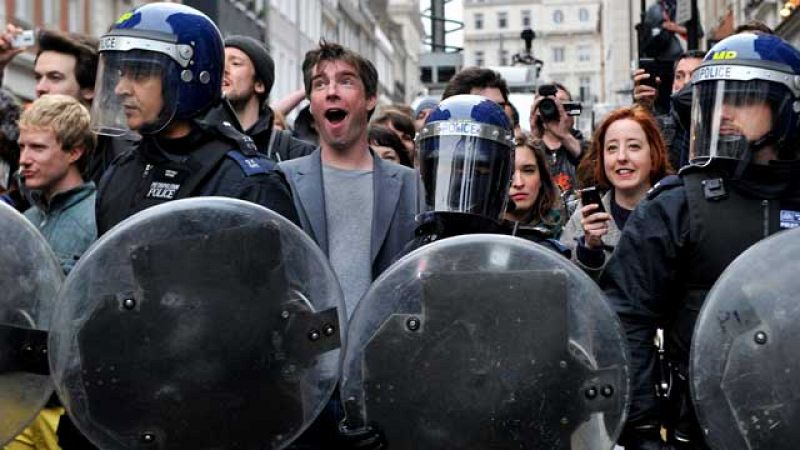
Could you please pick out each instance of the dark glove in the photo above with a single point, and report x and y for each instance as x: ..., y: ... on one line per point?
x: 369, y: 437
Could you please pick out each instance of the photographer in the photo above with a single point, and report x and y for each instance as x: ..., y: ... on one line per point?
x: 552, y: 129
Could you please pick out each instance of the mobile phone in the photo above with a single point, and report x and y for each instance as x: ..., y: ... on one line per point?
x: 649, y: 66
x: 591, y: 196
x: 25, y: 39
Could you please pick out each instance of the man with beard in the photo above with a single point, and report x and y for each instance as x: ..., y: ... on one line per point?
x: 248, y: 78
x: 740, y: 186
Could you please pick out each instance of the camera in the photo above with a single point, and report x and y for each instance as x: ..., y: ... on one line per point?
x: 548, y: 108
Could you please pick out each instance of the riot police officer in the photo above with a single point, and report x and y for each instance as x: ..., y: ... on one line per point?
x: 741, y: 186
x: 160, y: 70
x: 466, y: 159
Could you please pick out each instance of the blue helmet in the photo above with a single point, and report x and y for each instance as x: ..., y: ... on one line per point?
x: 466, y: 156
x: 746, y: 100
x: 173, y: 42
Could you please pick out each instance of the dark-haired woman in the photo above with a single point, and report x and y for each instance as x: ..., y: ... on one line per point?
x: 387, y: 145
x: 536, y: 201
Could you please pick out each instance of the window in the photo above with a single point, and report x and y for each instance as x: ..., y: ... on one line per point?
x: 583, y: 15
x: 558, y: 16
x: 526, y: 18
x: 584, y: 53
x: 478, y: 21
x: 446, y: 73
x: 558, y: 54
x: 502, y: 20
x: 479, y: 61
x: 503, y: 57
x: 585, y: 88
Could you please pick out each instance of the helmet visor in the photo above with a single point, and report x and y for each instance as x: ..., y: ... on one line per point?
x: 732, y: 118
x: 133, y: 93
x: 467, y: 174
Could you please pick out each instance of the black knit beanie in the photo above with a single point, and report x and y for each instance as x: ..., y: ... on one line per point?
x: 258, y: 54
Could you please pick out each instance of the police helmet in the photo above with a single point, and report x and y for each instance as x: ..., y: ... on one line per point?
x: 746, y: 101
x: 167, y: 43
x: 466, y: 151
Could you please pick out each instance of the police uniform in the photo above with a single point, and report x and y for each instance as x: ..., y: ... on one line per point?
x: 467, y: 192
x: 432, y: 227
x: 674, y: 247
x: 210, y: 161
x: 691, y: 227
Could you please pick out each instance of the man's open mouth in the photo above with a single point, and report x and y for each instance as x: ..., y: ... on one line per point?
x: 335, y: 115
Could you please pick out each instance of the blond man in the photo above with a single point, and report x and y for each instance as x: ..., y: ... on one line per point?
x: 55, y: 144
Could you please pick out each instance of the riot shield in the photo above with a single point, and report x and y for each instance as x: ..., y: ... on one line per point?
x: 201, y: 323
x: 30, y: 277
x: 486, y: 341
x: 745, y: 358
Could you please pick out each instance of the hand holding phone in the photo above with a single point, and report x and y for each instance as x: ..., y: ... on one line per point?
x: 649, y: 67
x: 591, y: 196
x: 25, y: 39
x: 594, y: 226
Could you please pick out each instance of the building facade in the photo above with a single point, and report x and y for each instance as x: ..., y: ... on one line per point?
x: 568, y: 39
x: 377, y: 29
x: 385, y: 31
x: 91, y: 17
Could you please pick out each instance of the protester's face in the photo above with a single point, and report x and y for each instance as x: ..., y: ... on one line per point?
x: 55, y: 74
x: 42, y: 161
x: 408, y: 141
x: 683, y: 72
x: 239, y: 81
x: 141, y: 96
x: 626, y: 156
x: 339, y: 104
x: 387, y: 153
x: 492, y: 93
x: 526, y: 182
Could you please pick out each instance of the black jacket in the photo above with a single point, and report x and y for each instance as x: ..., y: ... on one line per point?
x: 434, y: 226
x: 212, y: 160
x: 674, y: 246
x: 277, y: 145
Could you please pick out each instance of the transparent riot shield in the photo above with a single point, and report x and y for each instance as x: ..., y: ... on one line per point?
x: 745, y: 358
x: 30, y: 277
x: 486, y: 341
x: 204, y: 323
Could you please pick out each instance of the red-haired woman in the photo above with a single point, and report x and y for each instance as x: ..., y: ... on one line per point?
x: 627, y: 157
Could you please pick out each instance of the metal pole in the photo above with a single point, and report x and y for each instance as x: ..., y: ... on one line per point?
x: 437, y: 26
x: 693, y: 28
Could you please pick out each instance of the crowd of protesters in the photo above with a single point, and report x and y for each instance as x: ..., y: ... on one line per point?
x: 345, y: 170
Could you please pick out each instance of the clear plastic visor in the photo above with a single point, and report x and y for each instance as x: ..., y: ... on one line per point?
x: 729, y: 116
x: 466, y: 174
x: 133, y: 93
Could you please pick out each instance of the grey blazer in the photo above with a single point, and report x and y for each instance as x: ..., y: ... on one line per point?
x: 574, y: 230
x: 397, y: 200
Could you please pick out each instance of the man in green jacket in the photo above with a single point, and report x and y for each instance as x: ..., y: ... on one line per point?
x: 55, y: 144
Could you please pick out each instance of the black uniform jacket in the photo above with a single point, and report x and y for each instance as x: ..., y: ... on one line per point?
x: 670, y: 254
x: 210, y: 161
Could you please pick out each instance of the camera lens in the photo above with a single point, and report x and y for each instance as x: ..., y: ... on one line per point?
x: 548, y: 110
